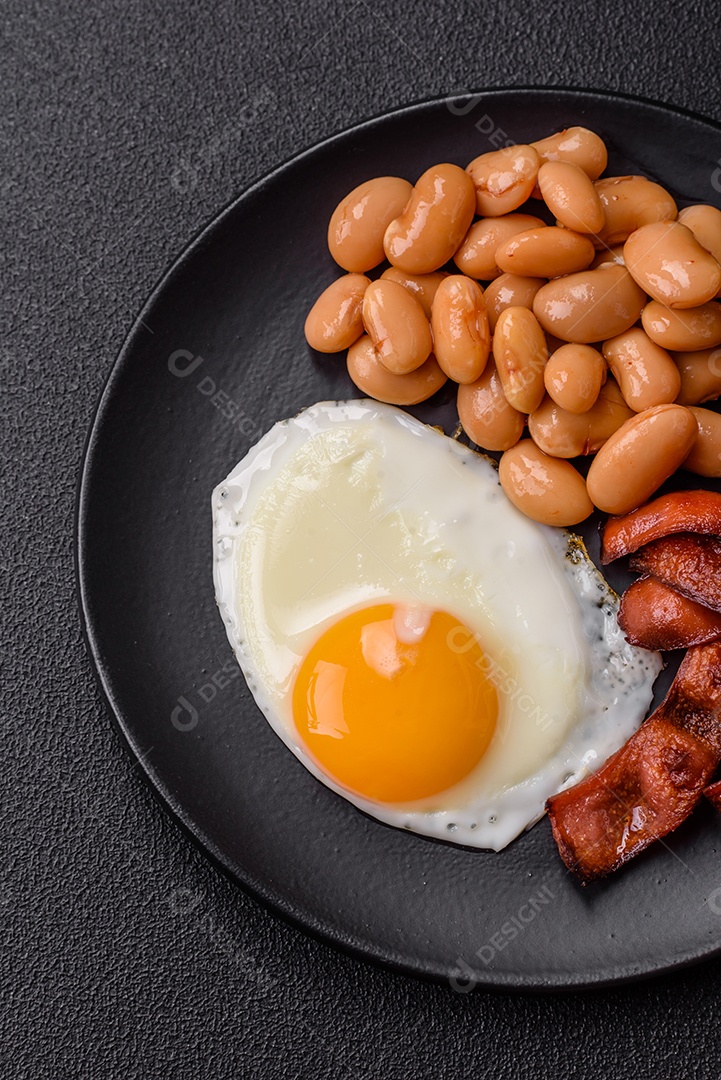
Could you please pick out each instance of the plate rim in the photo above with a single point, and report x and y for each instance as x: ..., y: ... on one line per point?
x: 274, y: 904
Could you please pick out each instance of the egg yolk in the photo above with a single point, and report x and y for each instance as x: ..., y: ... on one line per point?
x: 393, y: 719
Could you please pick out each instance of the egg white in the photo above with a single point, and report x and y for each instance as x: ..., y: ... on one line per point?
x: 356, y: 503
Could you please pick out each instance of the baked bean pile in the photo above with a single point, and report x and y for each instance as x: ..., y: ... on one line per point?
x: 597, y: 335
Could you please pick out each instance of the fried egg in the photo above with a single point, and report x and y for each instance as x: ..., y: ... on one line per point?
x: 425, y: 650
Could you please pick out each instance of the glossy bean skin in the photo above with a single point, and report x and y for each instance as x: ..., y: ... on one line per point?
x: 461, y: 334
x: 358, y: 223
x: 589, y: 306
x: 509, y: 290
x: 435, y: 220
x: 484, y: 412
x: 564, y: 434
x: 504, y: 179
x: 705, y: 223
x: 668, y: 262
x: 336, y: 319
x: 705, y: 456
x: 543, y: 488
x: 700, y: 374
x: 576, y: 145
x: 637, y: 458
x: 422, y: 286
x: 609, y: 257
x: 685, y: 330
x: 375, y: 380
x: 477, y: 254
x: 571, y: 197
x: 396, y: 324
x: 628, y: 203
x: 643, y: 370
x: 547, y: 252
x: 573, y: 377
x: 520, y: 353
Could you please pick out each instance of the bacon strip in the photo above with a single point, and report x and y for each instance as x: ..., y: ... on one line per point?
x: 654, y: 616
x: 651, y: 785
x: 713, y: 794
x: 689, y: 564
x: 681, y: 511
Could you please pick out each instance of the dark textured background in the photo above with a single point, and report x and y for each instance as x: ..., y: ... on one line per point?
x: 124, y: 127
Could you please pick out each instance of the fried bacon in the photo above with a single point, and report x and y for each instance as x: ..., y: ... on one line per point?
x: 713, y: 794
x: 651, y: 785
x: 682, y: 511
x: 654, y: 616
x: 689, y: 564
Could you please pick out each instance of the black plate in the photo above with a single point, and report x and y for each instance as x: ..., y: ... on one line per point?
x: 216, y: 357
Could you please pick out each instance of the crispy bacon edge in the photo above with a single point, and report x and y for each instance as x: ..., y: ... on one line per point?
x: 651, y: 785
x: 695, y: 511
x: 688, y: 563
